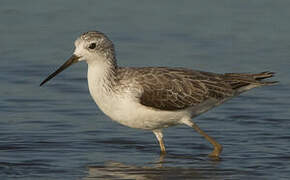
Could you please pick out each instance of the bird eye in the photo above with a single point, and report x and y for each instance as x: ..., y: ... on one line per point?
x: 92, y: 46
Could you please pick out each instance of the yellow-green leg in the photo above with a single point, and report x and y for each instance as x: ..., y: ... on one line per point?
x: 159, y: 136
x: 217, y: 147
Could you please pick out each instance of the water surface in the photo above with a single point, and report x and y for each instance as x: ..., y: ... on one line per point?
x: 57, y: 132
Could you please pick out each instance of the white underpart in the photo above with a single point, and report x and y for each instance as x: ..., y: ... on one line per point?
x: 124, y: 107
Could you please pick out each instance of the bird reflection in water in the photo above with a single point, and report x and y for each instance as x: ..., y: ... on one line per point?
x: 155, y: 170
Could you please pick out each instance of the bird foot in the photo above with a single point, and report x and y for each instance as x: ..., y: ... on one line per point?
x: 216, y: 152
x: 163, y: 153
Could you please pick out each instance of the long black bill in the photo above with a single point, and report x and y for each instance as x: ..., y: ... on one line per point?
x: 73, y: 59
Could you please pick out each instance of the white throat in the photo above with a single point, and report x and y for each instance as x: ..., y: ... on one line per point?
x: 101, y: 74
x: 101, y: 81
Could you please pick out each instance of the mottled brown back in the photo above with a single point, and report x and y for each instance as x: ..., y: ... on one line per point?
x: 179, y: 88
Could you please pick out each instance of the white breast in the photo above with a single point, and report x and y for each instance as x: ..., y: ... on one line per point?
x: 130, y: 113
x: 124, y: 108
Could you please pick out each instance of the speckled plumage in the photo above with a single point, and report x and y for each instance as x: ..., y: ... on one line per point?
x: 153, y: 98
x: 166, y: 88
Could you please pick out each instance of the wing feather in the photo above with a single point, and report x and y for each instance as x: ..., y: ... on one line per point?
x: 175, y: 89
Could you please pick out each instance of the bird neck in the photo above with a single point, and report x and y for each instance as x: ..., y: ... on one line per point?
x: 102, y: 74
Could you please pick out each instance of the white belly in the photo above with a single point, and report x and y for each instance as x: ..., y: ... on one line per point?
x: 124, y: 108
x: 126, y: 111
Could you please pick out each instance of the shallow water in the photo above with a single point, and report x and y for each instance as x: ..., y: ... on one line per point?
x: 57, y: 132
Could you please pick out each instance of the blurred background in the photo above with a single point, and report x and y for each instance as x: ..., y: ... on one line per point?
x: 57, y: 132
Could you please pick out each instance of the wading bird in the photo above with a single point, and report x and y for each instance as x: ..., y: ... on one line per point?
x: 153, y: 98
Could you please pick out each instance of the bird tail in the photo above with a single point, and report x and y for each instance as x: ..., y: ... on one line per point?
x: 245, y: 81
